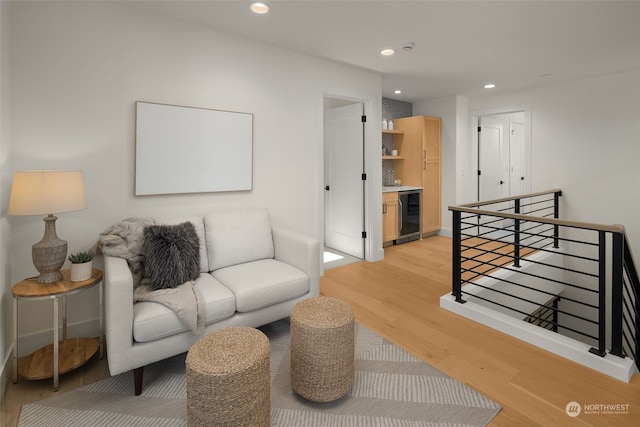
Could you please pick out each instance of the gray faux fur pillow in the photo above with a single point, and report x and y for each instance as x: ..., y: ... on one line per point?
x: 172, y: 254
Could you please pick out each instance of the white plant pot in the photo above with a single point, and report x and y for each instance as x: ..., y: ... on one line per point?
x: 80, y: 272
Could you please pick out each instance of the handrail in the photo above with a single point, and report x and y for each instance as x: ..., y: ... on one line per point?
x: 510, y: 199
x: 614, y: 228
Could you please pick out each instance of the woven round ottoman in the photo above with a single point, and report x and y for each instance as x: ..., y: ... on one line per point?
x: 228, y: 380
x: 322, y: 349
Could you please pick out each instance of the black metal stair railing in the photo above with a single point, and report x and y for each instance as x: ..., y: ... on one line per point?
x: 629, y: 308
x: 576, y: 279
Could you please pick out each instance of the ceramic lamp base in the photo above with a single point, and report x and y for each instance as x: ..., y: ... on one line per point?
x: 50, y: 253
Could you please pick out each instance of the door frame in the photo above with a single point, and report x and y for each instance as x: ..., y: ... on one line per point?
x: 373, y: 168
x: 474, y: 118
x: 339, y: 104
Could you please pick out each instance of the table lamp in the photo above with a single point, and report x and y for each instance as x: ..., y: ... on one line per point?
x: 47, y: 192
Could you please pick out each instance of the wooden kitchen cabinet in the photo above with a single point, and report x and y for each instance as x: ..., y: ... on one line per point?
x: 389, y: 216
x: 422, y: 165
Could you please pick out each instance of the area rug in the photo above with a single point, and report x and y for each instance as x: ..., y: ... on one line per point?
x: 392, y: 388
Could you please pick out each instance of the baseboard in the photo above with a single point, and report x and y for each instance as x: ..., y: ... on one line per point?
x: 377, y: 255
x: 5, y: 375
x: 446, y: 232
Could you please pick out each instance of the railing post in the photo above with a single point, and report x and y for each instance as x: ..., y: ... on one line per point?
x: 456, y: 279
x: 602, y: 298
x: 556, y: 215
x: 617, y: 273
x: 555, y: 314
x: 516, y: 236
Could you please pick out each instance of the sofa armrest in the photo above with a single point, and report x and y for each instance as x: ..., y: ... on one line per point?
x: 300, y: 251
x: 118, y: 307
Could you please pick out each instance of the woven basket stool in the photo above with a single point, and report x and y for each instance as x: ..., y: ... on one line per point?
x: 322, y: 349
x: 228, y: 380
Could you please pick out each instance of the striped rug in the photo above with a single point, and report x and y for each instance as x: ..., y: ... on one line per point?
x: 392, y: 389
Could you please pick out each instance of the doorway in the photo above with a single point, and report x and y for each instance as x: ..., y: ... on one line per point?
x: 343, y: 171
x: 501, y: 158
x: 502, y: 153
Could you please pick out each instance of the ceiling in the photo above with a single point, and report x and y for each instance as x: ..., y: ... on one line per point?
x: 459, y: 45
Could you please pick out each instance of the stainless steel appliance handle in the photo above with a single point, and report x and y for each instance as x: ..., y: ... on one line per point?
x: 399, y: 214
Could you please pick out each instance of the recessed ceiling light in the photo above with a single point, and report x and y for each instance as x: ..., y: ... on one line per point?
x: 397, y: 91
x: 489, y: 86
x: 260, y: 8
x: 387, y: 52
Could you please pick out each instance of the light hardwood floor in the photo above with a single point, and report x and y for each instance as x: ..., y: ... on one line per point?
x: 25, y: 391
x: 399, y: 299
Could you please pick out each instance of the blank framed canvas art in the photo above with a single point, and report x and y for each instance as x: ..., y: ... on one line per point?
x: 192, y: 150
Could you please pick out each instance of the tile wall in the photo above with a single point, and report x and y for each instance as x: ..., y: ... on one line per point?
x: 391, y: 109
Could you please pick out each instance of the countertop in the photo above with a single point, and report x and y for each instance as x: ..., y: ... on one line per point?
x: 388, y: 189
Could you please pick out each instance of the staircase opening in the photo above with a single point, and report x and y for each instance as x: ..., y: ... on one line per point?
x: 569, y: 287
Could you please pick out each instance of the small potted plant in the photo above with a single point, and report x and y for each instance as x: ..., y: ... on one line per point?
x: 81, y: 265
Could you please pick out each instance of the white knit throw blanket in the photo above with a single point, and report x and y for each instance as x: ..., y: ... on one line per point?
x: 124, y: 240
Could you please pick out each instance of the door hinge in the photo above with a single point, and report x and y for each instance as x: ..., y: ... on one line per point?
x: 479, y: 172
x: 364, y: 234
x: 479, y: 129
x: 364, y: 119
x: 364, y: 176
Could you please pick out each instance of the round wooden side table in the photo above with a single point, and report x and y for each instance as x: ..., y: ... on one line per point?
x: 61, y: 356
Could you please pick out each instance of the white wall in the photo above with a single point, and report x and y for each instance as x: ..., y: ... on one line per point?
x: 461, y: 167
x: 586, y: 141
x: 5, y: 277
x: 77, y: 69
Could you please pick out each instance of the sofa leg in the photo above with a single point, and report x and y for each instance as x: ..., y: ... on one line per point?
x: 137, y: 379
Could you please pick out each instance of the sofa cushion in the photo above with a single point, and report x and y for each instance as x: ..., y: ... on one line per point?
x: 172, y: 254
x: 261, y: 283
x: 198, y: 223
x: 237, y: 236
x: 152, y: 321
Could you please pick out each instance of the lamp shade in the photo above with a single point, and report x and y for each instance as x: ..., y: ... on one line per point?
x: 47, y: 192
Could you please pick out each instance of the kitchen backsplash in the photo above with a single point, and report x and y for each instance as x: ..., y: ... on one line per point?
x: 392, y: 109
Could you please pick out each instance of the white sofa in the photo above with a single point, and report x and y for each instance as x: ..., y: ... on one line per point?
x: 251, y: 275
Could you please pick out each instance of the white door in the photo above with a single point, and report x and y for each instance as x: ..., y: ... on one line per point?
x: 490, y: 177
x: 516, y: 160
x: 344, y: 187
